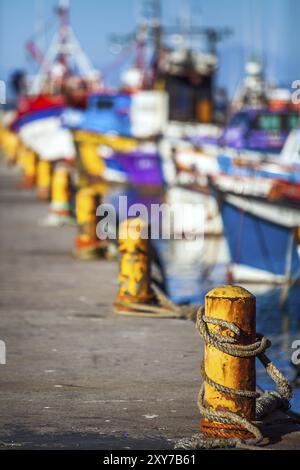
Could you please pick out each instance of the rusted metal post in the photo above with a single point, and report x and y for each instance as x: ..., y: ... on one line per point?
x: 43, y: 179
x: 88, y: 246
x: 134, y: 270
x: 232, y: 304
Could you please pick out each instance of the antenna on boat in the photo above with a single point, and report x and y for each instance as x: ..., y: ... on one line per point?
x: 148, y: 28
x: 155, y: 31
x: 155, y: 23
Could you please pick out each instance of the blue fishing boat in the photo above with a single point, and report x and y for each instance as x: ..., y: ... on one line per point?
x: 142, y: 114
x: 261, y: 218
x: 108, y: 114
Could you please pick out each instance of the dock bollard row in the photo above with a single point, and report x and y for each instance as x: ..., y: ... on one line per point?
x: 228, y: 401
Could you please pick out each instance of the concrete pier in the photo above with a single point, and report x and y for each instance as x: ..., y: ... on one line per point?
x: 77, y: 375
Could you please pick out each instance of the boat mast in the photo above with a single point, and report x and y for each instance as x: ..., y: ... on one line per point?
x: 65, y: 55
x: 63, y: 12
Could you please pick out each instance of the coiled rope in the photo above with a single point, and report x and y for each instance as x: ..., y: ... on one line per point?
x: 265, y: 402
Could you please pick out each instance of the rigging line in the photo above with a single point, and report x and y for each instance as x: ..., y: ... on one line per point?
x: 45, y: 27
x: 116, y: 63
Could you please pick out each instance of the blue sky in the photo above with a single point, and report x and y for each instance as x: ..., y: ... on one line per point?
x: 268, y: 28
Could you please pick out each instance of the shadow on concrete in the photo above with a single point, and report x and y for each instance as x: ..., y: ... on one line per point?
x: 281, y: 430
x: 22, y: 438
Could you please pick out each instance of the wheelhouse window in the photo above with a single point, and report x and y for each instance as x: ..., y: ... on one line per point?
x: 268, y: 122
x: 104, y: 104
x: 292, y: 121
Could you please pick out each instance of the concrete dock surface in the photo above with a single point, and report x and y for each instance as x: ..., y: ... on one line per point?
x: 77, y: 375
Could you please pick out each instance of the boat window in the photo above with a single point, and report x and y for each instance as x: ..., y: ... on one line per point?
x: 268, y: 122
x: 293, y: 121
x: 104, y: 104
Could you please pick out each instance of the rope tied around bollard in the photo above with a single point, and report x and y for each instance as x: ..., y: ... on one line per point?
x: 160, y: 306
x: 138, y: 295
x: 266, y: 402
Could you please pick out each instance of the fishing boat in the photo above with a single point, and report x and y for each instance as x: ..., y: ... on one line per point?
x: 38, y: 125
x: 119, y: 162
x: 64, y: 69
x: 260, y: 207
x: 263, y: 130
x: 116, y: 137
x: 166, y: 60
x: 261, y: 218
x: 260, y: 120
x: 64, y: 78
x: 257, y: 187
x: 262, y: 115
x: 186, y: 171
x: 285, y: 166
x: 141, y: 115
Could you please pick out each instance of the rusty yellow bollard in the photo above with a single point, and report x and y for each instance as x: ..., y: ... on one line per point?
x: 43, y: 180
x: 60, y: 211
x: 232, y: 304
x: 87, y: 245
x: 27, y: 159
x: 134, y: 270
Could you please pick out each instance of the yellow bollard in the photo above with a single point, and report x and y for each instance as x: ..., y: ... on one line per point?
x: 20, y: 155
x: 233, y: 410
x: 87, y: 245
x: 27, y: 159
x: 3, y: 139
x: 10, y: 145
x: 91, y: 162
x: 43, y: 179
x: 134, y: 271
x: 60, y: 212
x: 2, y: 135
x: 232, y: 304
